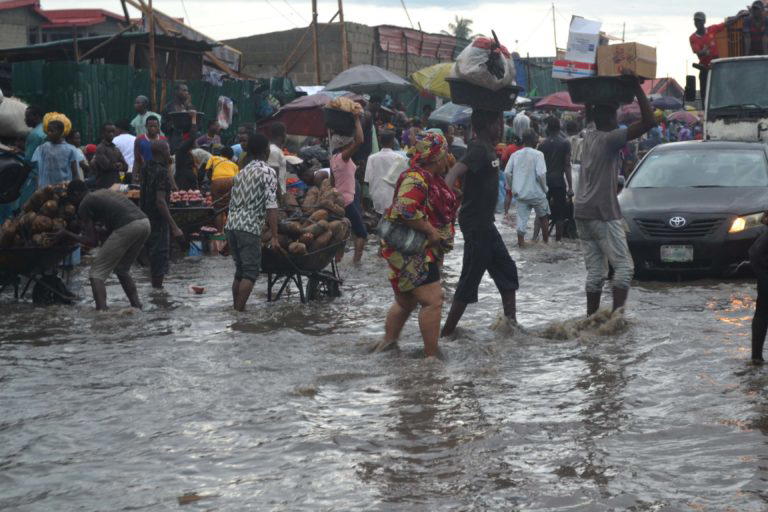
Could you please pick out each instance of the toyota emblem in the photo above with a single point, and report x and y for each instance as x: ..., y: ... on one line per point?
x: 677, y: 222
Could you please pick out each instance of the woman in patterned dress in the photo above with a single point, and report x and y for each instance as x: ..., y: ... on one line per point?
x: 424, y: 203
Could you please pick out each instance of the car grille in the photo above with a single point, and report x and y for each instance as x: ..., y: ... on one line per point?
x: 694, y: 229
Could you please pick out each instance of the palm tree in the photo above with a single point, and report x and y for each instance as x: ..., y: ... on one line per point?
x: 460, y: 29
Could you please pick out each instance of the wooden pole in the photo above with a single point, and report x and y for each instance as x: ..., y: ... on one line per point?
x: 554, y: 26
x: 152, y: 60
x: 315, y: 48
x: 77, y: 49
x: 105, y: 43
x: 344, y: 49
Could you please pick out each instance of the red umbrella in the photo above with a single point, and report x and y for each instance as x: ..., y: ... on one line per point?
x: 304, y: 115
x: 683, y: 116
x: 559, y: 100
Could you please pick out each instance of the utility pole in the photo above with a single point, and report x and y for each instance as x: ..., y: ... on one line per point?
x: 152, y: 63
x: 344, y: 49
x: 554, y: 26
x: 623, y: 31
x: 314, y: 42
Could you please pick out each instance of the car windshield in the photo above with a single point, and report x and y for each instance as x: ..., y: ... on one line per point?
x: 739, y: 83
x: 702, y: 167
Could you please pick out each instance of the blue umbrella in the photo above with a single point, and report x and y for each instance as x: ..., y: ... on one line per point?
x: 450, y: 113
x: 667, y: 103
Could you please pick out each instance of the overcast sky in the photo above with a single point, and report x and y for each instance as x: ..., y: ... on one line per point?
x: 524, y: 26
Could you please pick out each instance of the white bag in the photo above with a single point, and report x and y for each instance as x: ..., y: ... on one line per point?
x: 485, y: 64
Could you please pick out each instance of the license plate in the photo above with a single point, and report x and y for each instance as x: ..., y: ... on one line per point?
x: 676, y: 253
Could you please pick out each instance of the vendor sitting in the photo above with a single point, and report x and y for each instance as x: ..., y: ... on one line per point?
x: 128, y: 229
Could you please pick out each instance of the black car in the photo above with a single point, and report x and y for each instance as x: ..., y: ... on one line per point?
x: 695, y: 207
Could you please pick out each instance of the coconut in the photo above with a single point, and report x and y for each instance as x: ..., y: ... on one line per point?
x: 59, y: 224
x: 50, y: 208
x: 42, y: 224
x: 69, y: 212
x: 27, y: 219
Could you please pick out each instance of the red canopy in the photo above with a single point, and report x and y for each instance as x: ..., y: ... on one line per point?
x: 559, y: 100
x: 304, y: 115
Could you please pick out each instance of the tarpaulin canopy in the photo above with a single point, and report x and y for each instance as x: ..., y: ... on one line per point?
x: 367, y: 79
x: 304, y: 115
x: 450, y: 113
x: 432, y: 79
x: 559, y: 100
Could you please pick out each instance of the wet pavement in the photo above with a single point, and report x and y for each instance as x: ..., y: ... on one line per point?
x: 188, y: 404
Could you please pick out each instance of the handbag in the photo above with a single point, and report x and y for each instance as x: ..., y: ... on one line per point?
x: 401, y: 238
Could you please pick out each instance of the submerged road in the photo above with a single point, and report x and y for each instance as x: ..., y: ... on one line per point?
x: 282, y: 408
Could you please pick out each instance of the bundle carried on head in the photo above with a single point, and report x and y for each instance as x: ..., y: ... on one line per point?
x: 57, y: 116
x: 346, y: 104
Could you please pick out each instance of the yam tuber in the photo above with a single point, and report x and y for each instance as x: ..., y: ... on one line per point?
x: 306, y: 238
x: 321, y: 241
x: 319, y: 215
x: 42, y: 224
x: 311, y: 199
x: 315, y: 229
x: 289, y: 228
x: 50, y: 208
x: 297, y: 248
x: 332, y: 207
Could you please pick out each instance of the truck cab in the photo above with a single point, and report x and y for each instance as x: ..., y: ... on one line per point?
x: 737, y: 100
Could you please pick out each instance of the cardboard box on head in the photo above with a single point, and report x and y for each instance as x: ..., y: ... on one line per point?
x: 581, y: 55
x: 641, y: 59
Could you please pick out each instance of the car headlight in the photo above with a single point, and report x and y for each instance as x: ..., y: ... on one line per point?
x: 745, y: 222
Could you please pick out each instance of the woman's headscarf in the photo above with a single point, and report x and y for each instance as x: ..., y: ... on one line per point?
x: 428, y: 148
x: 56, y: 116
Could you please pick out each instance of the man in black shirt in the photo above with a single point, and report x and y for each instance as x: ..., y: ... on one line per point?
x: 155, y: 197
x: 557, y: 154
x: 128, y: 229
x: 758, y: 258
x: 484, y: 250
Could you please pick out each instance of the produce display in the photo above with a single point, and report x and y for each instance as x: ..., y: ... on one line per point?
x: 346, y: 104
x: 190, y: 198
x: 46, y: 212
x: 318, y: 223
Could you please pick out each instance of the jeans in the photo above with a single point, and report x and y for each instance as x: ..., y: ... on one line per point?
x: 603, y: 243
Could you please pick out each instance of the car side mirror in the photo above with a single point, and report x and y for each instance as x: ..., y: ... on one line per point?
x: 690, y: 88
x: 622, y: 182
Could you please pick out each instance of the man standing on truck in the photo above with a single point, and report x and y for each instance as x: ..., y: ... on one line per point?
x: 596, y: 207
x: 756, y: 30
x: 703, y: 44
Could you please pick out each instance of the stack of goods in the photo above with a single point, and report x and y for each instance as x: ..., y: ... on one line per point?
x: 46, y: 212
x: 593, y: 68
x: 320, y: 223
x: 190, y: 197
x: 340, y: 114
x: 483, y: 76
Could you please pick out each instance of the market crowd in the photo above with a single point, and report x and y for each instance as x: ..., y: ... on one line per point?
x: 411, y: 179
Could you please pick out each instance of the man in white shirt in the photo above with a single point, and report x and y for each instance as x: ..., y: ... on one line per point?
x: 125, y: 141
x: 277, y: 135
x: 526, y: 175
x: 379, y: 166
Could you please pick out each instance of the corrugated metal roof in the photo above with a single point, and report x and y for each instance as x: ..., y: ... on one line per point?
x: 16, y: 4
x: 78, y: 17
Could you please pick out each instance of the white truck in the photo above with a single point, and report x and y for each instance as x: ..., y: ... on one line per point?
x: 737, y: 100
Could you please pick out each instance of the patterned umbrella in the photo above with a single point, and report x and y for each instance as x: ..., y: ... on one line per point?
x: 683, y: 116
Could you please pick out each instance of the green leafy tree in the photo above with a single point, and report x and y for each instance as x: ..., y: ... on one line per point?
x: 461, y: 28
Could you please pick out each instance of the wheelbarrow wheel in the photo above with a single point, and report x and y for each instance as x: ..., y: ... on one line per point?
x: 317, y: 287
x: 51, y: 290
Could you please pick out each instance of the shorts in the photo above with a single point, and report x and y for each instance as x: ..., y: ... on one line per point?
x: 558, y: 204
x: 355, y: 216
x: 434, y: 274
x: 484, y: 250
x: 524, y: 207
x: 120, y: 250
x: 246, y: 251
x: 159, y: 248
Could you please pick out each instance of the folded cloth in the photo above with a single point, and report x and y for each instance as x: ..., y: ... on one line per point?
x: 340, y: 141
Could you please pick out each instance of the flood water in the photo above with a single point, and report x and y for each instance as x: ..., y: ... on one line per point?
x: 189, y: 405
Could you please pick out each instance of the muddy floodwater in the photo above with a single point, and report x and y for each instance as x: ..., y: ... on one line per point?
x: 190, y: 406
